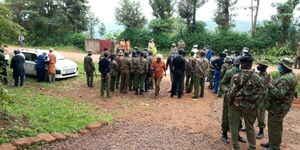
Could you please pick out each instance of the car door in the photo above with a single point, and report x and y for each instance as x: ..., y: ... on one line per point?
x: 30, y: 63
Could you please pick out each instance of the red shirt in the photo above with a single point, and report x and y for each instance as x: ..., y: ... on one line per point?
x: 158, y: 68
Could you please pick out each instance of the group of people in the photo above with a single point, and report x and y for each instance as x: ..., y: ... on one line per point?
x: 45, y: 67
x: 248, y: 94
x: 135, y: 70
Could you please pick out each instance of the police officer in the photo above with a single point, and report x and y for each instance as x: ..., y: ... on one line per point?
x: 260, y: 109
x: 140, y: 74
x: 218, y: 65
x: 225, y: 67
x: 118, y: 58
x: 246, y: 88
x: 200, y: 74
x: 105, y: 69
x: 125, y: 67
x: 210, y: 77
x: 89, y: 69
x: 132, y: 81
x: 192, y: 68
x: 280, y: 97
x: 225, y: 83
x: 149, y: 81
x: 114, y: 72
x: 178, y: 67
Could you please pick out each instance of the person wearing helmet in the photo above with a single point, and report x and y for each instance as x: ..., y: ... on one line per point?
x: 159, y: 68
x: 260, y: 110
x: 281, y: 92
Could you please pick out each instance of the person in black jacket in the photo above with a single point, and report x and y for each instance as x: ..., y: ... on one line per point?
x: 104, y: 69
x: 178, y: 67
x: 17, y: 64
x: 218, y: 65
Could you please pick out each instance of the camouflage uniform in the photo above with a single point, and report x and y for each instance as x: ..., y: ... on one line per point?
x: 181, y: 45
x: 245, y: 89
x: 260, y: 109
x: 202, y: 65
x: 187, y: 74
x: 211, y: 72
x: 89, y: 69
x: 140, y: 74
x: 114, y: 74
x: 280, y: 97
x: 225, y: 67
x: 125, y: 68
x: 118, y: 58
x: 149, y: 80
x: 192, y: 68
x: 225, y: 83
x: 132, y: 81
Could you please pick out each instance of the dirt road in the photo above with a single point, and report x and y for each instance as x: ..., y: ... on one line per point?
x: 165, y: 123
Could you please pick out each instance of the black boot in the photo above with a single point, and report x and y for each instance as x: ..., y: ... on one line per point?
x: 265, y: 145
x: 260, y: 134
x: 225, y: 138
x: 136, y: 92
x: 142, y: 92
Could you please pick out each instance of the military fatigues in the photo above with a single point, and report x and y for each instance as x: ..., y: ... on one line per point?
x: 211, y: 73
x: 124, y: 67
x: 260, y: 109
x: 187, y: 75
x: 132, y: 82
x: 89, y: 69
x: 202, y: 65
x: 246, y: 88
x: 114, y: 74
x: 226, y: 85
x: 280, y: 98
x: 149, y: 79
x: 225, y: 67
x: 192, y: 68
x: 118, y: 58
x: 140, y: 74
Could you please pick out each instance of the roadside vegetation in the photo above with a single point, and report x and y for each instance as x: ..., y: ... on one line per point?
x: 34, y: 109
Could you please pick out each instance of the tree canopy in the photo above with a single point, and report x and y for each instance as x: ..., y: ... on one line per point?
x: 130, y: 14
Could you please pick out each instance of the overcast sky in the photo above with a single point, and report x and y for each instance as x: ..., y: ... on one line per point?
x: 105, y: 10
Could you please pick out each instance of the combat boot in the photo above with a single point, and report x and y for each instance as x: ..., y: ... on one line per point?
x: 142, y: 92
x: 136, y: 92
x: 265, y: 145
x: 260, y: 134
x: 225, y: 138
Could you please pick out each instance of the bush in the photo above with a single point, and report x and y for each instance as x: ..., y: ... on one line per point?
x: 139, y: 37
x: 280, y: 50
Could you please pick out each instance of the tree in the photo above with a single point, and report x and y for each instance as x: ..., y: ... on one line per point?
x: 93, y: 23
x: 102, y: 29
x: 49, y: 21
x: 284, y: 18
x: 8, y: 28
x: 223, y: 16
x: 254, y: 17
x: 162, y: 8
x: 130, y: 15
x: 188, y: 10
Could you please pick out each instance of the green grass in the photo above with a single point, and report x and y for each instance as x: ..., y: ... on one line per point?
x: 48, y: 114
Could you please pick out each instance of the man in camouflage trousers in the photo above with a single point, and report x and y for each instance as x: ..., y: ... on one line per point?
x: 245, y: 90
x: 225, y: 67
x: 192, y: 68
x: 131, y: 81
x: 280, y: 97
x: 114, y: 72
x: 225, y: 83
x: 140, y: 74
x: 125, y: 67
x: 201, y: 72
x: 211, y: 71
x: 260, y: 110
x: 118, y: 58
x: 89, y: 69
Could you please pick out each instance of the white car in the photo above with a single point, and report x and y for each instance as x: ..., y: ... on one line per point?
x: 64, y: 68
